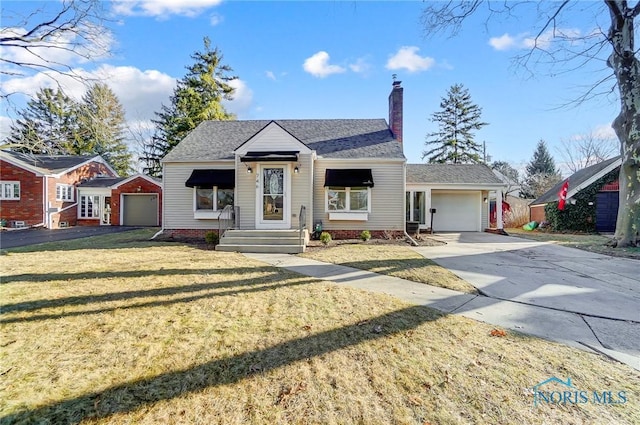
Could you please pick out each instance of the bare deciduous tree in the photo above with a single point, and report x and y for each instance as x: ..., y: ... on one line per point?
x: 587, y: 150
x: 565, y: 51
x: 51, y: 39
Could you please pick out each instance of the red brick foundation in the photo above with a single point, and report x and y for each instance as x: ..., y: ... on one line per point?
x: 188, y: 233
x: 375, y: 234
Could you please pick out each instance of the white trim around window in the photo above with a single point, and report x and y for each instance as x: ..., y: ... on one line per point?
x: 89, y: 207
x: 347, y: 203
x: 65, y: 192
x: 208, y: 202
x: 10, y: 190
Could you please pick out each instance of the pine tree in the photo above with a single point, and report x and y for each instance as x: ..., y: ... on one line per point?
x: 101, y: 124
x: 197, y: 98
x: 48, y: 125
x: 457, y: 121
x: 542, y: 174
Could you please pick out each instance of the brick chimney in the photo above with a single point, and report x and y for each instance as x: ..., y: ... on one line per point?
x: 395, y: 110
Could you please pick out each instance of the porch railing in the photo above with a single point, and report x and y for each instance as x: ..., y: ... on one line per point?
x: 225, y: 220
x: 302, y: 222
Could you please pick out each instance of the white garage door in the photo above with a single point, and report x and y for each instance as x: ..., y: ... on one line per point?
x: 456, y: 211
x: 140, y: 210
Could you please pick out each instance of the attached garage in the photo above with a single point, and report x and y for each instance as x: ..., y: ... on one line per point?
x: 457, y: 211
x: 459, y: 194
x: 140, y: 209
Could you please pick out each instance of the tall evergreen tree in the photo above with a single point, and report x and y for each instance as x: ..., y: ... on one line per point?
x: 454, y: 141
x: 197, y: 98
x: 101, y: 124
x: 48, y: 125
x: 542, y: 173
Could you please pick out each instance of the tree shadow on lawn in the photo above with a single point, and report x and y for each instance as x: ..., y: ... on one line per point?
x: 130, y: 396
x: 47, y: 277
x: 242, y: 286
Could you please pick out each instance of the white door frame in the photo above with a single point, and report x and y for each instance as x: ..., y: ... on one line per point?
x: 285, y: 223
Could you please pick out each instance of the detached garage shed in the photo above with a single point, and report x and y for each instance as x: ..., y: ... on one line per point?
x: 120, y: 201
x: 458, y: 193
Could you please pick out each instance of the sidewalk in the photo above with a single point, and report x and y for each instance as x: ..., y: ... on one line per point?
x: 552, y: 324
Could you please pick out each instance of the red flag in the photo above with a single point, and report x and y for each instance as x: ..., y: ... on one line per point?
x: 563, y: 195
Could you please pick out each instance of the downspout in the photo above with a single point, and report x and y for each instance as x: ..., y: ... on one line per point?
x: 163, y: 206
x: 45, y: 202
x: 404, y: 202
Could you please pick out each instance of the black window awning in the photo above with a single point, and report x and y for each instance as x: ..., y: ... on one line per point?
x: 285, y: 156
x: 352, y: 177
x: 224, y: 179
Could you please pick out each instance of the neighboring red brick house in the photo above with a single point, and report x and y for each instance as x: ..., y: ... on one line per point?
x: 40, y: 190
x: 64, y: 190
x: 120, y: 201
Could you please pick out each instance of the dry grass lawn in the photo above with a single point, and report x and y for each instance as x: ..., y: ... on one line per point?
x: 393, y: 260
x: 124, y: 331
x: 588, y: 242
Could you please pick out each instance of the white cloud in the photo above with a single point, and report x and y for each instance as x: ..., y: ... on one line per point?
x: 242, y: 98
x: 270, y: 75
x: 140, y: 92
x: 605, y: 131
x: 361, y: 66
x: 525, y: 41
x: 163, y: 8
x: 66, y: 49
x: 5, y: 127
x: 504, y: 42
x: 318, y: 65
x: 215, y: 19
x: 407, y: 58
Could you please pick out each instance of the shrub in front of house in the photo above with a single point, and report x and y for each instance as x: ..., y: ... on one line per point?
x: 365, y: 235
x: 212, y: 238
x: 325, y: 238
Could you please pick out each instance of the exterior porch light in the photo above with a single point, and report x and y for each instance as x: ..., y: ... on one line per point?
x: 249, y: 170
x: 484, y: 200
x: 296, y: 169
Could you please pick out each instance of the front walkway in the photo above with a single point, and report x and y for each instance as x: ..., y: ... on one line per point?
x: 617, y: 339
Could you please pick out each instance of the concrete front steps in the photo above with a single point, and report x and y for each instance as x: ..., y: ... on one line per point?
x: 261, y: 241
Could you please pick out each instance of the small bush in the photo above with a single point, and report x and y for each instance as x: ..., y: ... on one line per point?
x: 211, y: 238
x: 325, y: 238
x: 365, y: 235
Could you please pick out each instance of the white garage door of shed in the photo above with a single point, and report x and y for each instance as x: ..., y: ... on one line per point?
x: 140, y: 210
x: 456, y: 211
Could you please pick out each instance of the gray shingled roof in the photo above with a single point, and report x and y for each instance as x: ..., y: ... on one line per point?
x: 102, y: 182
x: 478, y: 174
x: 575, y: 180
x: 332, y: 138
x: 50, y: 163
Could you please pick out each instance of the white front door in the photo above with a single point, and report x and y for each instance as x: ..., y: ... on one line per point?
x: 274, y: 200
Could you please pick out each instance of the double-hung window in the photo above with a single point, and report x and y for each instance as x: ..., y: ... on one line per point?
x: 348, y: 193
x: 212, y: 191
x: 65, y: 192
x: 347, y: 199
x: 10, y: 190
x: 212, y: 198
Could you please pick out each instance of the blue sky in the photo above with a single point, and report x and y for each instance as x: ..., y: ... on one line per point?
x: 336, y: 60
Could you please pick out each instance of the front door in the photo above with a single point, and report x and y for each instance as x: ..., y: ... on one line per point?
x: 274, y: 203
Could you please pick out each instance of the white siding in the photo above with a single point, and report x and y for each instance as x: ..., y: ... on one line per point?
x: 387, y: 195
x: 301, y: 188
x: 178, y: 199
x: 485, y: 210
x: 272, y: 138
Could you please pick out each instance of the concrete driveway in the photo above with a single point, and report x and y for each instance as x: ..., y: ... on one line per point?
x: 548, y: 290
